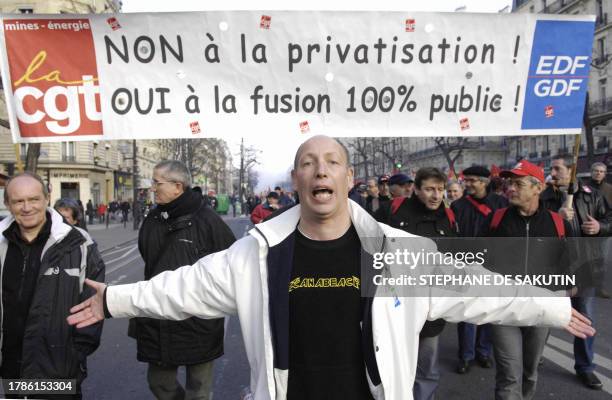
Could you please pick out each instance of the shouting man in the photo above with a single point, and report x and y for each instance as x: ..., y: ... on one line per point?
x: 316, y: 341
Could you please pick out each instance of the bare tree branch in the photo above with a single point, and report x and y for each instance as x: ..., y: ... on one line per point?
x: 451, y: 148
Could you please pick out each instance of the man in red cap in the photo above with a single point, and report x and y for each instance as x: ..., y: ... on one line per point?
x: 518, y: 349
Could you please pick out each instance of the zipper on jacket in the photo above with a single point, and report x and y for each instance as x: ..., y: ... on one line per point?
x: 526, y: 246
x: 23, y: 269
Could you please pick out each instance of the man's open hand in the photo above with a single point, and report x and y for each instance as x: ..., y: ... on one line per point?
x: 91, y: 310
x: 579, y: 325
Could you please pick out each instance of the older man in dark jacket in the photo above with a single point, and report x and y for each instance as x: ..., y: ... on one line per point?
x: 179, y: 231
x: 44, y: 264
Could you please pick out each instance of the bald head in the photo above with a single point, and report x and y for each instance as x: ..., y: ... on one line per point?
x: 323, y: 140
x: 25, y: 176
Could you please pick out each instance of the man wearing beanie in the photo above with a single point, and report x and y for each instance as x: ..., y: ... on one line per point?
x: 401, y: 185
x: 471, y: 211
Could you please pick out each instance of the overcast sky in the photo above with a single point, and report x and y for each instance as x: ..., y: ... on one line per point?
x: 276, y: 158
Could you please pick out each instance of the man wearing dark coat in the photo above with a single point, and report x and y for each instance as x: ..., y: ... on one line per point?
x: 591, y: 219
x: 471, y: 211
x: 179, y: 231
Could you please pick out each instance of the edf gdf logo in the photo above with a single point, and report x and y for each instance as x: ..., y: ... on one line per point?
x: 54, y: 77
x: 558, y: 75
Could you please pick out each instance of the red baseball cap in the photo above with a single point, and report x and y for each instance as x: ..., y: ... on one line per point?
x: 524, y: 168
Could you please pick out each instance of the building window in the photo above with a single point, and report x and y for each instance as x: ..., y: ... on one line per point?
x: 68, y: 151
x: 519, y: 149
x: 601, y: 51
x: 23, y: 151
x: 70, y: 190
x: 599, y: 9
x: 562, y: 144
x: 95, y: 193
x: 602, y: 88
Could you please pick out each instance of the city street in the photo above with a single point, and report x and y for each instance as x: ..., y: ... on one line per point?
x: 114, y: 372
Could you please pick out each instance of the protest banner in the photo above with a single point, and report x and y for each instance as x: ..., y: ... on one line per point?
x: 269, y: 74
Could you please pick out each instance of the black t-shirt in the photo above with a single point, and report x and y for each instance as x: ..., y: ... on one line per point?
x: 325, y: 351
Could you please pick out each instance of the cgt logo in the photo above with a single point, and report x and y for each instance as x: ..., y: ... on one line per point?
x: 53, y: 72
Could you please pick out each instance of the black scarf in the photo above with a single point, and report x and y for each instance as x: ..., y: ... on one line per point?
x: 187, y: 203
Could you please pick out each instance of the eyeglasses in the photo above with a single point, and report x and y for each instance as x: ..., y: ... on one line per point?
x: 519, y: 184
x: 155, y: 184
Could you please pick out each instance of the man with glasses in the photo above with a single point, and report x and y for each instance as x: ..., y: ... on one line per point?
x: 531, y: 242
x: 179, y: 231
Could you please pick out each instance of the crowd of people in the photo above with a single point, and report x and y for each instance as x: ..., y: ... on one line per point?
x: 296, y: 281
x: 481, y: 205
x: 116, y: 210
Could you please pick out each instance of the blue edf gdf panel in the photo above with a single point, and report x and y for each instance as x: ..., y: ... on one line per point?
x: 558, y: 75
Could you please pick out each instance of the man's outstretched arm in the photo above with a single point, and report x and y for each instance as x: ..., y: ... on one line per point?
x: 205, y: 290
x: 91, y: 310
x: 520, y: 311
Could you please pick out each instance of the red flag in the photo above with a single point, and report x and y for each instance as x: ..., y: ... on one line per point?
x: 495, y: 170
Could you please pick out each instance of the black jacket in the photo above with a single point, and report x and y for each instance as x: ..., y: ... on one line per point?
x: 587, y: 201
x: 412, y: 216
x: 51, y: 348
x: 604, y: 188
x: 382, y: 200
x: 469, y: 219
x: 530, y: 245
x: 173, y: 235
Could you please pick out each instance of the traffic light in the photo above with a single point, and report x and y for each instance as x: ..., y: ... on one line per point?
x: 398, y: 165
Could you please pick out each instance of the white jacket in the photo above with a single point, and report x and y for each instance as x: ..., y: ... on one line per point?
x: 235, y: 281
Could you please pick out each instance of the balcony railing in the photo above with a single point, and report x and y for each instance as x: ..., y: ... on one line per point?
x: 545, y: 153
x: 601, y: 20
x: 601, y: 106
x: 66, y: 158
x: 554, y: 8
x: 533, y: 154
x: 520, y: 3
x: 563, y: 150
